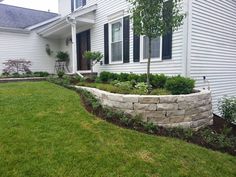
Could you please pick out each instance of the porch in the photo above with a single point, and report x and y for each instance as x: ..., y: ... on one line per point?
x: 73, y: 33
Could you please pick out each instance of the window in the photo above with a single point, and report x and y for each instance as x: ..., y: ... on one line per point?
x: 156, y: 48
x: 116, y: 38
x: 78, y: 3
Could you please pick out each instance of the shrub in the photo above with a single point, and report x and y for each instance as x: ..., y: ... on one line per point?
x: 143, y: 78
x: 63, y: 56
x: 122, y: 77
x: 217, y: 140
x: 60, y: 74
x: 113, y: 76
x: 40, y: 74
x: 133, y: 77
x: 227, y: 107
x: 158, y: 81
x: 105, y: 76
x: 16, y: 66
x: 180, y: 85
x: 64, y: 81
x: 74, y: 79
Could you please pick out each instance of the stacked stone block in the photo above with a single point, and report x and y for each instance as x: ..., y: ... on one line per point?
x: 186, y: 111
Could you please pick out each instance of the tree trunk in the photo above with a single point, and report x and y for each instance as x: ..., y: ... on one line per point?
x: 149, y: 61
x: 91, y: 66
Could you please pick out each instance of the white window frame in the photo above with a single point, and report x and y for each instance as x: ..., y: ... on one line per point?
x: 120, y: 19
x: 142, y: 59
x: 79, y: 6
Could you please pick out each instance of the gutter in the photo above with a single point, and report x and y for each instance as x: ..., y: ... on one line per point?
x: 15, y: 30
x: 43, y: 23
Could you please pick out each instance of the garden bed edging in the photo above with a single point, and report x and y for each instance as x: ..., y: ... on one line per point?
x: 186, y: 111
x: 25, y: 79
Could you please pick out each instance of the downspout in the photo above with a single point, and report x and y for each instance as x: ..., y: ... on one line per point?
x: 188, y: 39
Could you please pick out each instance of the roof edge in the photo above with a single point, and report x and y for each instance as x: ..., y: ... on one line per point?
x: 30, y: 28
x: 14, y: 30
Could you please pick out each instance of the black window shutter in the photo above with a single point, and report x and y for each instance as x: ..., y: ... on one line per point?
x: 136, y: 47
x: 126, y: 37
x: 167, y: 39
x: 167, y: 46
x: 106, y: 44
x: 83, y: 2
x: 72, y: 6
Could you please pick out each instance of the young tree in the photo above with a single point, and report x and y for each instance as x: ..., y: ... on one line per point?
x: 93, y: 57
x: 155, y: 18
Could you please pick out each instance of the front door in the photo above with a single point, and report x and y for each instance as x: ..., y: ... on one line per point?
x: 83, y: 44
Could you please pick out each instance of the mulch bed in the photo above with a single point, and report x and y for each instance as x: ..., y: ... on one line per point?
x: 195, y: 138
x: 220, y: 123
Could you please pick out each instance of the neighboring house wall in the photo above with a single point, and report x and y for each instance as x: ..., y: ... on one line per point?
x: 213, y: 46
x: 27, y: 46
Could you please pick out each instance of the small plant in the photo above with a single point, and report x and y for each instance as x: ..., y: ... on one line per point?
x: 124, y: 85
x: 160, y: 92
x: 63, y: 56
x: 93, y: 57
x: 227, y: 107
x: 142, y: 86
x: 150, y: 127
x: 60, y: 74
x: 16, y: 66
x: 180, y: 85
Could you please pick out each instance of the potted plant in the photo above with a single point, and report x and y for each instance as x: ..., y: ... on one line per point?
x: 62, y: 61
x: 93, y: 57
x: 62, y: 56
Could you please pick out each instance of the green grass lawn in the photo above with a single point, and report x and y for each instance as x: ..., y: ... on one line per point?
x: 46, y: 132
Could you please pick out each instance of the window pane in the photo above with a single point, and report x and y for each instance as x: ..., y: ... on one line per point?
x: 116, y: 50
x: 116, y: 32
x: 78, y: 3
x: 155, y: 48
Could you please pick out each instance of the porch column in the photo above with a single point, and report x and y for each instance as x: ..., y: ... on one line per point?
x: 74, y: 47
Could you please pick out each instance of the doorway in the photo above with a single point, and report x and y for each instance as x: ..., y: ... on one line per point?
x: 83, y: 44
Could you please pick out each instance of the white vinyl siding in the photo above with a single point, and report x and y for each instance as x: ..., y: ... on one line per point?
x: 108, y: 8
x: 213, y: 46
x: 29, y: 47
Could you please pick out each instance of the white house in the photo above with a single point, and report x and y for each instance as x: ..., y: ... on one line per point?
x: 203, y: 47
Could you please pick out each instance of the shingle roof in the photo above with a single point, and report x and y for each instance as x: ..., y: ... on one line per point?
x: 18, y: 17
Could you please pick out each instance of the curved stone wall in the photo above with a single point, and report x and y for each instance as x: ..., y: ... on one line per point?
x: 187, y: 111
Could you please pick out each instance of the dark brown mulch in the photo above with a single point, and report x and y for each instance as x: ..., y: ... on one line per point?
x: 219, y: 124
x: 214, y: 132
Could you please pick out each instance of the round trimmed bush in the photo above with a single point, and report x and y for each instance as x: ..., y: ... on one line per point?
x: 158, y: 81
x: 180, y: 85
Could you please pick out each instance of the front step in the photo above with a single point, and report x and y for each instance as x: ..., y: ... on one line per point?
x: 87, y: 73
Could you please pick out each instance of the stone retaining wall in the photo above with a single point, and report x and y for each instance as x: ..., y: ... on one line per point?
x: 187, y: 111
x: 26, y: 79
